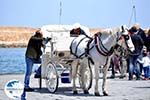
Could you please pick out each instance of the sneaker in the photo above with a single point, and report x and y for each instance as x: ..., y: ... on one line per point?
x: 28, y: 89
x: 138, y: 78
x: 122, y: 76
x: 112, y: 76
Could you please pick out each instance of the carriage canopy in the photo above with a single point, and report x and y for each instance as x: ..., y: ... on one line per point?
x: 60, y: 35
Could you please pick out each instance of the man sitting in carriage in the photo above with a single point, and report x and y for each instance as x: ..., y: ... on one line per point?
x: 80, y: 30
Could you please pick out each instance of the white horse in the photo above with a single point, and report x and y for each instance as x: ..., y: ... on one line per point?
x: 99, y: 49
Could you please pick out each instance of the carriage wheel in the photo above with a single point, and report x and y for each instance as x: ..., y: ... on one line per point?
x: 40, y: 79
x: 40, y: 82
x: 52, y: 78
x: 87, y: 78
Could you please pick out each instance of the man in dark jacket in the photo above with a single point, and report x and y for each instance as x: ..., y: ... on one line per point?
x: 147, y: 43
x: 32, y: 56
x: 138, y: 44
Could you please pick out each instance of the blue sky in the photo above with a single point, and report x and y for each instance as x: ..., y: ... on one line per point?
x: 91, y: 13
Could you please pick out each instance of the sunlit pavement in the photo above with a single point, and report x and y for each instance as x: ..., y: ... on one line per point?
x: 118, y: 89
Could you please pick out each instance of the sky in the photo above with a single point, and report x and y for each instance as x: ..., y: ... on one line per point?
x: 91, y: 13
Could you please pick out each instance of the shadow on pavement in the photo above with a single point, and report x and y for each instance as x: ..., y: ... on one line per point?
x: 67, y: 91
x: 143, y: 87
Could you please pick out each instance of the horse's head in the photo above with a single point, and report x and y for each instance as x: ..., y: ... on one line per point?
x: 125, y: 37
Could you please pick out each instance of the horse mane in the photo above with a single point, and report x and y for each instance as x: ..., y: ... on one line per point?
x: 106, y: 31
x: 116, y: 29
x: 95, y: 30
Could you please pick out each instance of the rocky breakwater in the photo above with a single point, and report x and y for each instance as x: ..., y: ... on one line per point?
x: 19, y: 36
x: 15, y: 36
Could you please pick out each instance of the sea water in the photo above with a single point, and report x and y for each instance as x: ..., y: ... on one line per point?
x: 12, y: 60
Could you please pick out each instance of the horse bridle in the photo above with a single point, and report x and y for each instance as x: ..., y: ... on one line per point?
x: 102, y: 49
x: 126, y: 37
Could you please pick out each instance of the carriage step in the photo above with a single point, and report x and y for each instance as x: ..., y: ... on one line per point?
x: 37, y: 76
x: 65, y: 78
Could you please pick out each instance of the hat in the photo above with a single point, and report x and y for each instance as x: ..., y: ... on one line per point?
x: 136, y: 25
x: 76, y: 25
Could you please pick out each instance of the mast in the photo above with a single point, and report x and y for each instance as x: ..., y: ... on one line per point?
x: 60, y: 11
x: 133, y: 13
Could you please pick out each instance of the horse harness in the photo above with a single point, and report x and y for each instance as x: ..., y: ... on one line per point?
x: 101, y: 48
x: 86, y: 49
x: 98, y: 44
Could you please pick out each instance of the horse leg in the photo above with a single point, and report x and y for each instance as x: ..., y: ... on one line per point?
x: 96, y: 80
x: 83, y: 69
x: 123, y: 68
x: 105, y: 69
x: 74, y: 74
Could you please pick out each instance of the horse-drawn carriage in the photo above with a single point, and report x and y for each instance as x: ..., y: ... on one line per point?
x: 56, y: 58
x: 58, y: 63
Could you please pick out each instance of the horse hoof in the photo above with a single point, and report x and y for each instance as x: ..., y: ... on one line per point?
x: 97, y: 94
x: 105, y: 94
x: 121, y: 77
x: 86, y: 92
x: 75, y: 92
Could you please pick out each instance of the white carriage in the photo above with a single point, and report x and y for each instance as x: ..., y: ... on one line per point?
x: 56, y: 58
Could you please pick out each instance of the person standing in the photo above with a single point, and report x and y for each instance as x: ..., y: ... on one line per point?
x: 115, y: 61
x: 146, y: 63
x: 139, y: 31
x: 147, y: 43
x: 32, y: 56
x: 138, y: 43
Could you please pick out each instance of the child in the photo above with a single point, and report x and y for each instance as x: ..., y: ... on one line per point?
x: 146, y: 63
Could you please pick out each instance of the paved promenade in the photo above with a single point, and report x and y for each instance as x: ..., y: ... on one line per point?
x: 119, y: 89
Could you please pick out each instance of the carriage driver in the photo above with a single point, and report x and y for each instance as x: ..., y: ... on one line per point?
x: 77, y: 28
x: 32, y: 55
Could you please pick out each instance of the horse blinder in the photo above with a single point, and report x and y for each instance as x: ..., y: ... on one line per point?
x: 126, y: 37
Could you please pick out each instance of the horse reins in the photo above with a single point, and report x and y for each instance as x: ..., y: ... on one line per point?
x: 101, y: 48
